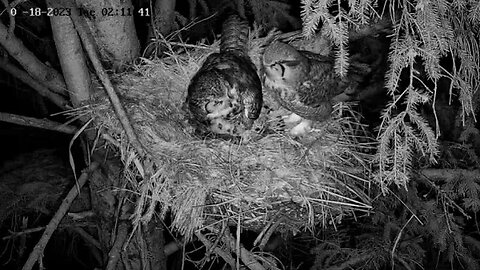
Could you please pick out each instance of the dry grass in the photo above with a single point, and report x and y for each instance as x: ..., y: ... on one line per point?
x: 316, y: 180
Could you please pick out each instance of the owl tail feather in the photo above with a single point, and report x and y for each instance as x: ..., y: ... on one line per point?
x: 234, y: 35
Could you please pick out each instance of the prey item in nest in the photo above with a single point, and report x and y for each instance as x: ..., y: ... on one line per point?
x: 225, y: 95
x: 305, y: 83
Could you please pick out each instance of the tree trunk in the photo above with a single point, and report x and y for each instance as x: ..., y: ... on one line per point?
x: 164, y: 16
x: 72, y: 59
x: 113, y: 30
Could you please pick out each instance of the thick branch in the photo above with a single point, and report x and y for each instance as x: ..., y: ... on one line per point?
x: 164, y: 16
x: 35, y: 122
x: 53, y: 224
x: 44, y: 74
x: 23, y: 76
x: 72, y: 58
x: 87, y: 41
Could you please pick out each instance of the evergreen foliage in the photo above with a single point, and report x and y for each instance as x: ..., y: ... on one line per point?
x: 424, y: 34
x: 420, y: 221
x: 407, y: 231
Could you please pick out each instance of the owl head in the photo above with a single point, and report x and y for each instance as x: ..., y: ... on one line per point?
x: 284, y: 65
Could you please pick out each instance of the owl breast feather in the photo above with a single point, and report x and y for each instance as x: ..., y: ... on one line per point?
x: 222, y: 72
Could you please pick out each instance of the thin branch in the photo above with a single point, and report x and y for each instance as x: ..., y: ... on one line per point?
x: 37, y: 252
x: 94, y: 245
x: 11, y: 26
x: 62, y: 224
x: 355, y: 260
x: 266, y: 234
x: 17, y: 2
x: 438, y: 175
x: 38, y: 123
x: 397, y: 240
x: 143, y: 248
x: 114, y: 254
x: 446, y: 175
x: 88, y: 43
x: 87, y: 237
x: 27, y: 231
x: 246, y: 256
x: 208, y: 245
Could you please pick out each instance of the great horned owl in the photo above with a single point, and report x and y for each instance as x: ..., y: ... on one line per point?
x: 225, y: 95
x: 306, y: 84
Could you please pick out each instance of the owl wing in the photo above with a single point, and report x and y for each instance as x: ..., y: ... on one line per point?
x: 323, y: 66
x: 313, y: 94
x: 319, y: 112
x: 316, y: 94
x: 227, y: 74
x: 242, y: 75
x: 208, y: 84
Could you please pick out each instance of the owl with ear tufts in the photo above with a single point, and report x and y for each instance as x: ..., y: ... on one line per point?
x: 306, y: 84
x: 225, y: 96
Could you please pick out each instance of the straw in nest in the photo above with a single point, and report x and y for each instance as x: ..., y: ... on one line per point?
x: 261, y: 179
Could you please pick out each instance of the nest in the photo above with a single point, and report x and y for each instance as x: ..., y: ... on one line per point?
x: 265, y: 179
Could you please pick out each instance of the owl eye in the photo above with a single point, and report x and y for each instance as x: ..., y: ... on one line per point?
x: 282, y: 68
x: 212, y: 105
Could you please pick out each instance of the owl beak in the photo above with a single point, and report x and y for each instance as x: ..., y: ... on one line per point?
x: 281, y: 68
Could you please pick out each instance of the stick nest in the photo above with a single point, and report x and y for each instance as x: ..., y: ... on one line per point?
x: 266, y: 179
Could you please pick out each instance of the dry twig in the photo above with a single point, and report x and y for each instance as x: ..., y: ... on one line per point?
x: 87, y: 41
x: 37, y: 252
x: 38, y: 123
x: 114, y: 254
x: 208, y: 245
x: 246, y: 256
